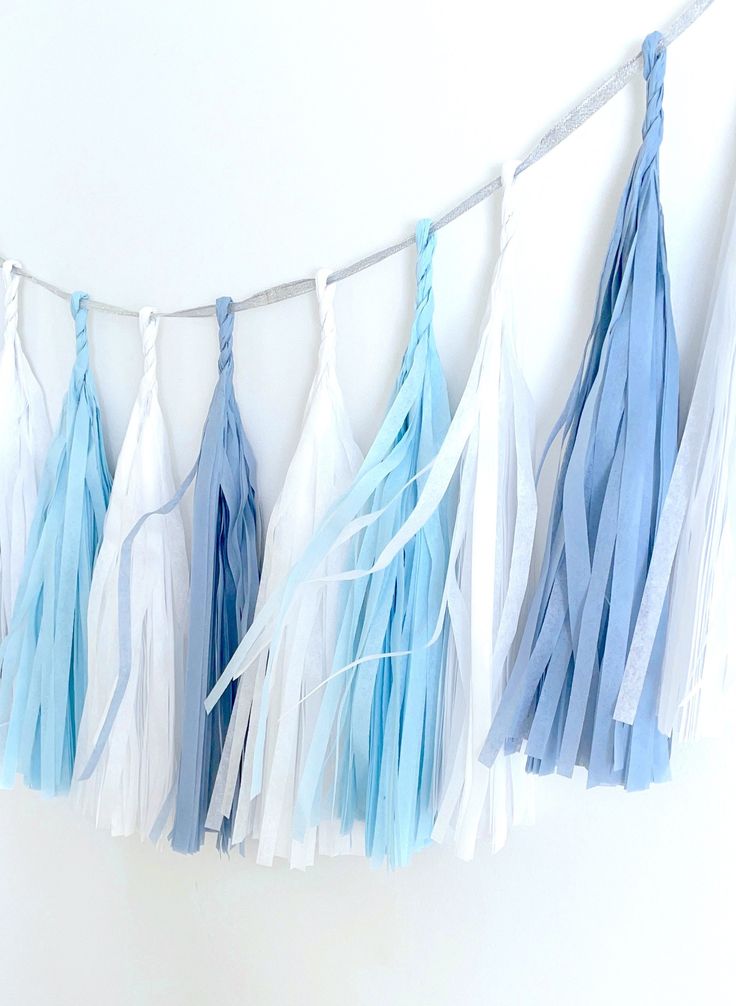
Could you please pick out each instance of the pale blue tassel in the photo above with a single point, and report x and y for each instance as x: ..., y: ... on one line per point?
x: 44, y: 658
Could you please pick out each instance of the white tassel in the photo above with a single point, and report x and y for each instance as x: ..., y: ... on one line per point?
x: 130, y: 789
x: 25, y: 435
x: 259, y: 772
x: 487, y: 578
x: 695, y: 548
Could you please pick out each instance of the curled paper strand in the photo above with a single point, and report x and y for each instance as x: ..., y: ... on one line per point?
x: 620, y: 435
x: 43, y: 677
x: 25, y: 434
x: 130, y: 788
x: 271, y: 728
x: 695, y: 547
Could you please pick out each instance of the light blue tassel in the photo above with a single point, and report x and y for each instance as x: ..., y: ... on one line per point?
x: 225, y: 576
x: 620, y: 436
x: 44, y: 658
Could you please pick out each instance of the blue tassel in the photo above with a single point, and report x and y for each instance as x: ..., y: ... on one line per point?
x: 620, y: 436
x: 44, y: 658
x: 224, y: 587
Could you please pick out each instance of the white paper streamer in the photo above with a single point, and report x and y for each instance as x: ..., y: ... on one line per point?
x: 272, y: 720
x: 25, y: 435
x: 131, y: 787
x: 492, y: 546
x: 695, y: 548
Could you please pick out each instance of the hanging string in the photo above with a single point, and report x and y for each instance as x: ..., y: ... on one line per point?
x: 563, y: 128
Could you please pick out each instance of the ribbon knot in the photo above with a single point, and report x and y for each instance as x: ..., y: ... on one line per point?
x: 225, y: 320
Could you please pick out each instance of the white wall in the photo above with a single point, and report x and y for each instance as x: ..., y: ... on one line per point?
x: 171, y: 152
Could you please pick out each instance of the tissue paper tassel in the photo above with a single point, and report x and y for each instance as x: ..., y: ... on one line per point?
x: 620, y: 435
x: 43, y: 670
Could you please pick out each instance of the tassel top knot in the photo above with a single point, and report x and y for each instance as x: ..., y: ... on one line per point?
x: 425, y: 241
x: 79, y: 313
x: 148, y: 325
x: 12, y: 282
x: 655, y: 61
x: 226, y: 320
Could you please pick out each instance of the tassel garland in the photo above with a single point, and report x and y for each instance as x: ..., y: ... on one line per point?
x: 384, y: 678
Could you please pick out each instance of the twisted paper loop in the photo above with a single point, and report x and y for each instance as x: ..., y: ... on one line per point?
x: 148, y: 323
x: 11, y: 277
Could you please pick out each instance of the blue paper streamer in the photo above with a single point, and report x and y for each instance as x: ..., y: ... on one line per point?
x: 44, y: 658
x: 620, y: 435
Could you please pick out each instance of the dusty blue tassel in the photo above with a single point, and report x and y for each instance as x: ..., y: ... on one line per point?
x: 620, y: 435
x: 225, y: 576
x: 44, y: 657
